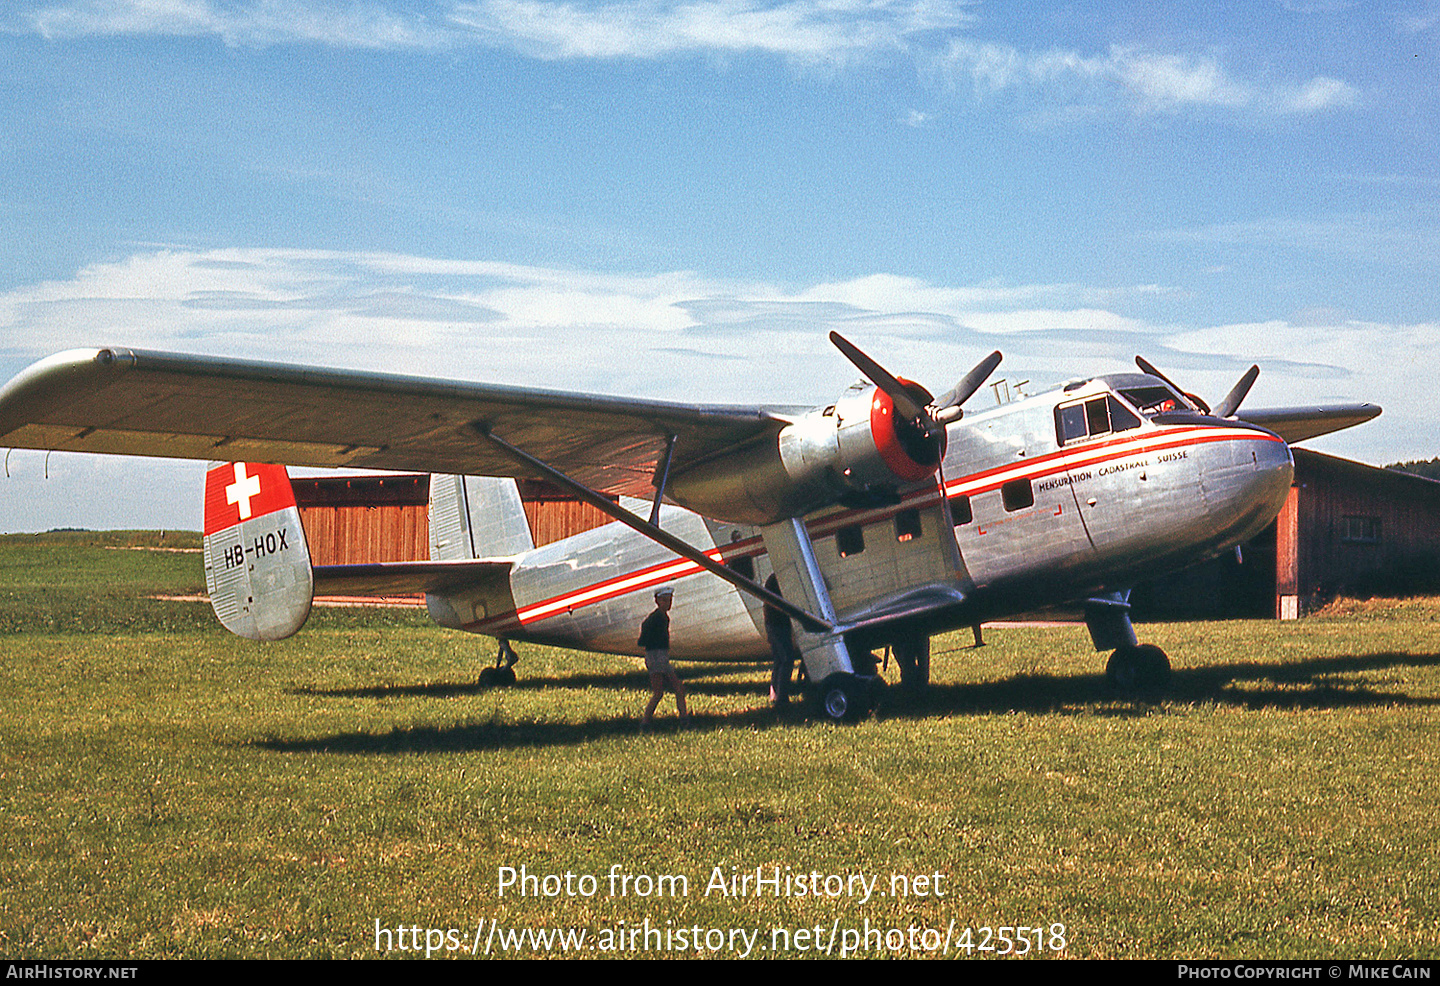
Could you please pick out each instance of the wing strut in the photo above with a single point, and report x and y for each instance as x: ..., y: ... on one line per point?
x: 662, y: 479
x: 811, y: 622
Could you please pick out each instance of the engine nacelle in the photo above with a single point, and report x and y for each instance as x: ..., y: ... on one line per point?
x: 858, y: 451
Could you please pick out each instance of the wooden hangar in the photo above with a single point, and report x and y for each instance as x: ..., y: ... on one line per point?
x: 351, y: 520
x: 1346, y: 529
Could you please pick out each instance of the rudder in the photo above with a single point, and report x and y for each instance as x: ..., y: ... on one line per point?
x: 257, y: 563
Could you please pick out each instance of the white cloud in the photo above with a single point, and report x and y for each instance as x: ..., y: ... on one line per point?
x: 1146, y: 82
x: 1043, y: 320
x: 1320, y: 93
x: 679, y: 335
x: 670, y: 334
x: 819, y: 33
x: 1418, y: 22
x: 257, y: 22
x: 807, y: 31
x: 358, y: 310
x: 1340, y: 361
x: 1162, y: 82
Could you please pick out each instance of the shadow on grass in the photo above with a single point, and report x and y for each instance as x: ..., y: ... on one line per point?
x: 698, y: 678
x: 496, y: 735
x: 1319, y: 683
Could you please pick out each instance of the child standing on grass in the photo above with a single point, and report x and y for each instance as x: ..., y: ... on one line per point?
x: 655, y: 642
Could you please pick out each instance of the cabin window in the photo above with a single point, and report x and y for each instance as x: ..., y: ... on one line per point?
x: 1097, y: 417
x: 1091, y: 418
x: 1360, y: 530
x: 1070, y: 421
x: 1017, y: 494
x: 850, y: 540
x: 907, y: 525
x: 960, y: 512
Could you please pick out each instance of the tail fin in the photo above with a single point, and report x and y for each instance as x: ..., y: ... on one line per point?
x: 257, y: 564
x: 476, y: 517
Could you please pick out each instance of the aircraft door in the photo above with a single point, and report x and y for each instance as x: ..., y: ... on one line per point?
x: 1123, y: 489
x: 872, y: 557
x: 1030, y: 518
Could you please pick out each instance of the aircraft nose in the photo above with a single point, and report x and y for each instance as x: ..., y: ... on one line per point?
x: 1273, y: 459
x: 1261, y: 494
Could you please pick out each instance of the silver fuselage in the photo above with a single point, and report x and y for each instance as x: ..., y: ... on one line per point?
x: 1052, y: 517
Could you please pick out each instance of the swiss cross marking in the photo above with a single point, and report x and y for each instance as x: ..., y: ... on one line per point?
x: 240, y: 491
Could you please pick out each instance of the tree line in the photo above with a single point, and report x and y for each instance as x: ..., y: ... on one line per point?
x: 1429, y: 468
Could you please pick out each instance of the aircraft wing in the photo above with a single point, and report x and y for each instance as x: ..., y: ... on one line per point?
x: 135, y: 402
x: 1295, y: 424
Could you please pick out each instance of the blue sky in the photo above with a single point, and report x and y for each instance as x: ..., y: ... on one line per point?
x: 680, y: 200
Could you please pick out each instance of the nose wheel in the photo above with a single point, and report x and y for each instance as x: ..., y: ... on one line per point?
x: 1139, y: 671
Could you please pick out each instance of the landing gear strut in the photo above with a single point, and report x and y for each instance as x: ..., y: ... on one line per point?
x: 1135, y: 670
x: 1140, y: 670
x: 503, y: 673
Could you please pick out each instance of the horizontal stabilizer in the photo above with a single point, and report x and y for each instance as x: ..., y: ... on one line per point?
x: 407, y: 577
x: 1295, y: 424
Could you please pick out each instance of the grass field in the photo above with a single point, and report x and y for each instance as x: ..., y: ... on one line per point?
x: 167, y: 790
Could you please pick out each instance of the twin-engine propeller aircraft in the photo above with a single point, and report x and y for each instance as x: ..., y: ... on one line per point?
x: 884, y: 517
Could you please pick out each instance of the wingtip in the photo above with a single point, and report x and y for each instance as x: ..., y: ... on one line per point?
x: 32, y: 384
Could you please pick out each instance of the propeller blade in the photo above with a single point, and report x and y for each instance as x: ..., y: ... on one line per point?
x: 1227, y: 407
x: 905, y: 402
x: 969, y: 383
x: 1147, y: 367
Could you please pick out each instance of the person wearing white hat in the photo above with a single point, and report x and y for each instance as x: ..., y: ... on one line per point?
x: 655, y: 642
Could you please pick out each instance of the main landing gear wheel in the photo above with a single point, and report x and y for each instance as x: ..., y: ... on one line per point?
x: 846, y: 697
x: 1141, y: 671
x: 503, y: 673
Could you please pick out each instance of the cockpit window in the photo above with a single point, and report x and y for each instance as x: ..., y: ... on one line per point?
x: 1155, y: 400
x: 1090, y: 418
x: 1121, y: 417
